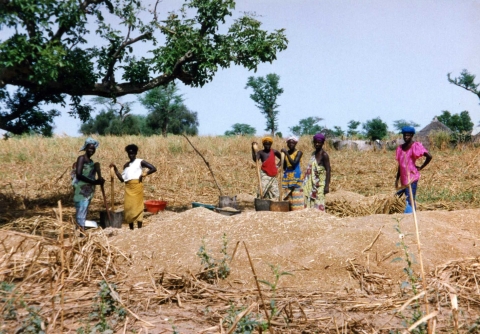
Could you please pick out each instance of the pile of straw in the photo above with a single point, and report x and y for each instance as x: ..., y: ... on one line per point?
x: 53, y: 273
x: 370, y: 282
x: 369, y: 206
x: 39, y: 225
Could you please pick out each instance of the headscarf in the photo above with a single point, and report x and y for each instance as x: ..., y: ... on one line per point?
x: 319, y: 137
x: 295, y: 139
x: 267, y: 139
x: 89, y: 141
x: 408, y: 129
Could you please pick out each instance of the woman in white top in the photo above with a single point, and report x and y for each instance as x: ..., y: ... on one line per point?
x: 133, y: 175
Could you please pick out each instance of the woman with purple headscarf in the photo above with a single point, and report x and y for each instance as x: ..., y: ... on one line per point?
x: 317, y: 176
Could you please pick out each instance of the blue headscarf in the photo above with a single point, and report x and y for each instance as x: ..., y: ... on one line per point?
x: 408, y: 129
x: 89, y: 141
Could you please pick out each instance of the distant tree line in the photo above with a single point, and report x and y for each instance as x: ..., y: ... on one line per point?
x: 167, y: 113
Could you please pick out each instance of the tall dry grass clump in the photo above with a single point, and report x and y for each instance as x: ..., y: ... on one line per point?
x: 439, y: 139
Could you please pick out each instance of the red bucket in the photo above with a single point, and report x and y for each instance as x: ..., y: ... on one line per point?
x: 154, y: 206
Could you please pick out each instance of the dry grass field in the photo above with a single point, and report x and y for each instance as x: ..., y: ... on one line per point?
x: 341, y: 277
x: 36, y: 172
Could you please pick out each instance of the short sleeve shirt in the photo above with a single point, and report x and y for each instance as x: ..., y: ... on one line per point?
x: 406, y: 162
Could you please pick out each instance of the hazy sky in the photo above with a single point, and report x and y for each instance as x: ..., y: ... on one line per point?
x: 346, y: 60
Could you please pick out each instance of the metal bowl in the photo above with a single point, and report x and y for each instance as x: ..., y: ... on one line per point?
x: 227, y: 212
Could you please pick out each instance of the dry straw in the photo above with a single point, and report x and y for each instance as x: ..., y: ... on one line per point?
x: 183, y: 177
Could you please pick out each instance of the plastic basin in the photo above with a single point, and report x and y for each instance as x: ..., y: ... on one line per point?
x: 154, y: 206
x: 207, y: 206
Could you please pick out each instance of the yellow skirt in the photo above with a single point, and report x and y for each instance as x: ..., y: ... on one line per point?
x: 133, y: 206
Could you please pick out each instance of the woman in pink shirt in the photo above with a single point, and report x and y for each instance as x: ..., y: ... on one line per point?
x: 408, y: 172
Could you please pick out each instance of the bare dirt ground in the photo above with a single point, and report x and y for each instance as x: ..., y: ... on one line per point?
x: 345, y: 274
x: 324, y: 254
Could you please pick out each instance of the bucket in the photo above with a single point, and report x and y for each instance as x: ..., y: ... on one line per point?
x: 262, y: 204
x: 116, y: 216
x: 224, y: 201
x: 280, y: 206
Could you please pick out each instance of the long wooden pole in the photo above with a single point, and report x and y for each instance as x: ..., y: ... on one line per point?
x: 419, y: 247
x: 258, y: 288
x: 282, y: 159
x: 206, y: 163
x: 62, y: 258
x: 255, y: 148
x: 112, y: 195
x: 99, y: 172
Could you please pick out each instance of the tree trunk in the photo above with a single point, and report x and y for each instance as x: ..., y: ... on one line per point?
x: 164, y: 130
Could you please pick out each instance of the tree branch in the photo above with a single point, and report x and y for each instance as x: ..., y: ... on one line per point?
x: 109, y: 78
x: 12, y: 8
x: 83, y: 9
x: 456, y: 83
x: 474, y: 91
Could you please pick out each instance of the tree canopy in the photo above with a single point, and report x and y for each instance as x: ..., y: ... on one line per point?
x: 457, y: 122
x: 48, y: 58
x: 266, y: 90
x: 115, y: 119
x: 352, y: 128
x: 375, y: 129
x: 240, y: 129
x: 167, y: 112
x: 400, y: 123
x: 307, y: 126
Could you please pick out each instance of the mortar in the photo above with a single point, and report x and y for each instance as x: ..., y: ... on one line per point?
x: 280, y: 206
x: 116, y: 216
x: 262, y: 204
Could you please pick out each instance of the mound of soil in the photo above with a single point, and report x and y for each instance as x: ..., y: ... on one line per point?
x: 317, y: 248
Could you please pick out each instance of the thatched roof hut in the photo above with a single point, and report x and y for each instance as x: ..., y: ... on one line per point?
x: 434, y: 126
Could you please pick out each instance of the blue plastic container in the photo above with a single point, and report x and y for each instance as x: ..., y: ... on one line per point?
x: 206, y: 206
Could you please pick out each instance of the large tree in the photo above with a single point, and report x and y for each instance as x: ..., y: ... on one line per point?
x: 352, y: 128
x: 307, y: 126
x: 20, y: 113
x: 266, y: 90
x: 114, y: 119
x: 375, y: 129
x: 241, y: 129
x: 400, y: 123
x: 46, y: 54
x: 457, y: 122
x: 167, y: 112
